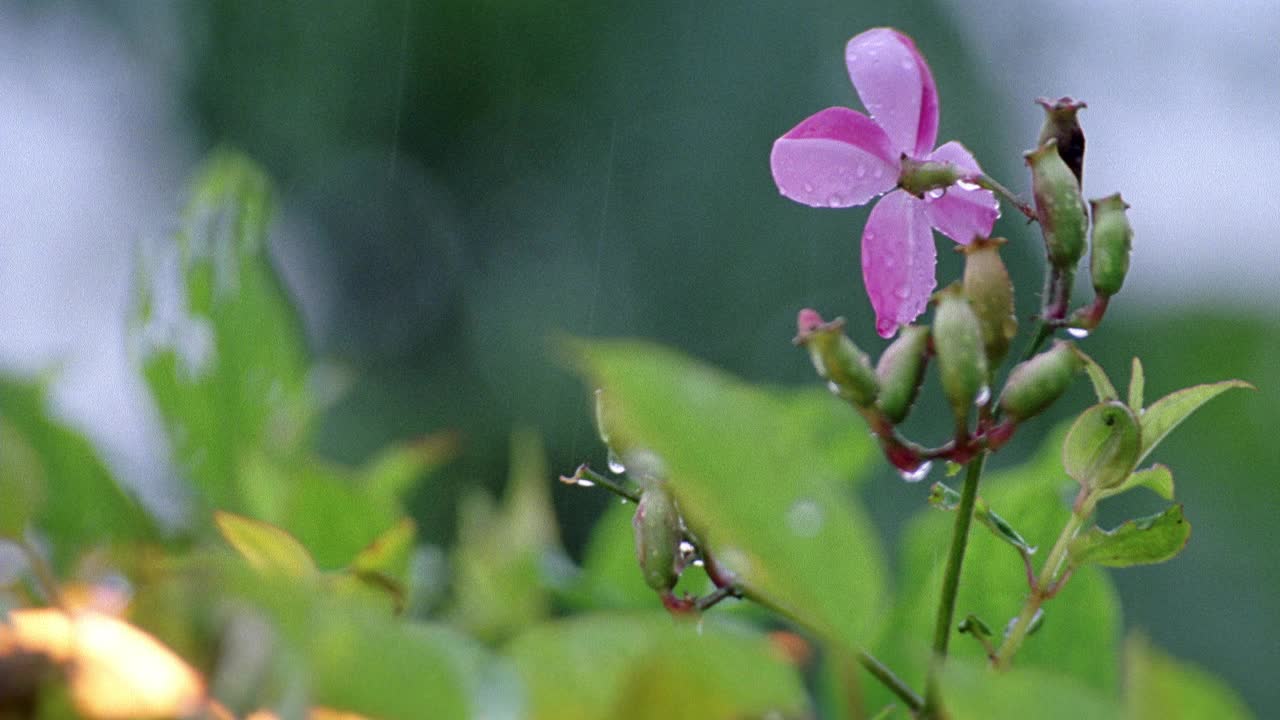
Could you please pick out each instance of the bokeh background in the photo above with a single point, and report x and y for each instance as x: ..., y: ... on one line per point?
x: 461, y: 181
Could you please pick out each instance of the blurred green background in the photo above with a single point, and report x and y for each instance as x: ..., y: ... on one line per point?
x: 464, y: 180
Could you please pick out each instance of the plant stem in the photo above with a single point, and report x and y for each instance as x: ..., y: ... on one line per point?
x: 878, y: 670
x: 1045, y: 586
x: 951, y: 584
x: 988, y: 182
x: 591, y: 477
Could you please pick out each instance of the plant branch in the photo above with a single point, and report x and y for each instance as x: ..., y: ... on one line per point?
x: 986, y: 181
x: 951, y: 583
x: 584, y: 476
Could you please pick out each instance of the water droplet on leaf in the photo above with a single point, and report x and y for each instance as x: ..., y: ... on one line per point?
x: 805, y: 518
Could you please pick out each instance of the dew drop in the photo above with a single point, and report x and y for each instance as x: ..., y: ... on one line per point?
x: 936, y: 193
x: 903, y: 292
x: 920, y: 473
x: 805, y: 518
x: 966, y: 185
x: 835, y: 201
x: 808, y: 187
x: 877, y: 172
x: 861, y: 171
x: 698, y: 563
x: 687, y: 552
x: 615, y: 463
x: 583, y: 482
x: 1078, y: 333
x: 907, y: 65
x: 834, y: 388
x: 984, y: 396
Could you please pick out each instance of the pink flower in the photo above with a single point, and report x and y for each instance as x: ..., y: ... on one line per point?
x: 841, y: 158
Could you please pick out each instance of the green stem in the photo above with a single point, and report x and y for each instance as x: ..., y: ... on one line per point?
x: 586, y: 477
x: 1045, y: 586
x: 951, y: 584
x: 988, y: 182
x: 878, y: 670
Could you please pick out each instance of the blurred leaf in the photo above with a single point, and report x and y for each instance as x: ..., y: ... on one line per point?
x: 1158, y: 687
x: 1081, y: 629
x: 836, y: 430
x: 972, y: 691
x: 390, y: 473
x: 759, y: 490
x: 1102, y: 386
x: 1166, y: 413
x: 1157, y: 477
x: 1137, y: 383
x: 1102, y: 446
x: 501, y: 580
x: 650, y: 665
x: 355, y: 658
x: 610, y: 573
x: 389, y: 553
x: 265, y: 546
x: 83, y: 504
x: 21, y: 482
x: 1143, y: 541
x: 220, y: 343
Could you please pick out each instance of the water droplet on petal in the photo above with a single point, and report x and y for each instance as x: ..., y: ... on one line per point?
x: 805, y: 518
x: 835, y: 201
x: 616, y: 465
x: 877, y: 172
x: 966, y: 185
x: 907, y: 65
x: 903, y: 292
x: 808, y: 187
x: 935, y: 193
x: 920, y: 473
x: 861, y: 171
x: 1078, y: 333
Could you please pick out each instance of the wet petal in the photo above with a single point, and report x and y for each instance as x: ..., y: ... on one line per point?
x: 836, y: 158
x: 898, y: 259
x: 896, y: 87
x: 962, y: 211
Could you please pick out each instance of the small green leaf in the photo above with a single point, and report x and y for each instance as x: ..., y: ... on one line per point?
x: 21, y: 482
x: 1143, y: 541
x: 1157, y: 477
x: 1102, y: 446
x: 761, y: 491
x: 1162, y: 417
x: 1136, y: 386
x: 646, y: 665
x: 974, y: 624
x: 265, y: 546
x: 944, y: 498
x: 1102, y: 386
x: 1159, y: 687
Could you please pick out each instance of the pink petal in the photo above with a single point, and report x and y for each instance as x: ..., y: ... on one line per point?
x: 961, y: 212
x: 836, y: 158
x: 896, y: 87
x: 898, y: 259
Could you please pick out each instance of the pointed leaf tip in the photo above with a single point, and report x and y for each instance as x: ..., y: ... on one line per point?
x: 1169, y: 411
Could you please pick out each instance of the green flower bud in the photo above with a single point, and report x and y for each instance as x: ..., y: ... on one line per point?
x: 1102, y: 446
x: 1037, y: 383
x: 990, y: 293
x: 1061, y: 124
x: 962, y: 363
x: 837, y: 359
x: 1112, y: 242
x: 919, y: 177
x: 658, y: 534
x: 1059, y: 207
x: 901, y: 370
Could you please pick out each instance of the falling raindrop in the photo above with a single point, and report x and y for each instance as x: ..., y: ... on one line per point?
x: 615, y: 463
x: 920, y: 473
x: 1078, y: 333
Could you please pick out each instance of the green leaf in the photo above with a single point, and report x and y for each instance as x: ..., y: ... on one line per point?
x: 944, y: 498
x: 389, y: 553
x: 501, y: 558
x: 83, y: 504
x: 971, y: 691
x: 1157, y: 477
x: 1159, y: 687
x: 219, y: 341
x: 760, y: 491
x: 648, y: 665
x: 394, y: 470
x: 1102, y: 386
x: 265, y: 546
x: 1169, y: 411
x: 1136, y: 386
x: 21, y: 482
x: 1082, y: 624
x: 1143, y: 541
x: 1102, y: 446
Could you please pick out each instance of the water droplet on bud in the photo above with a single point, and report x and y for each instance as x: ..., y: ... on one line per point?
x: 984, y: 396
x: 920, y: 473
x: 615, y: 463
x: 1078, y: 333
